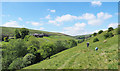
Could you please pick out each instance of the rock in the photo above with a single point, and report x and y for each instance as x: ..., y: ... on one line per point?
x: 105, y: 41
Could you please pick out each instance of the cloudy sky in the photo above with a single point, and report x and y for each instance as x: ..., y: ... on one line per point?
x: 72, y: 18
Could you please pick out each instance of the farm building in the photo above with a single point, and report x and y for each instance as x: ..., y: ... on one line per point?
x: 40, y: 35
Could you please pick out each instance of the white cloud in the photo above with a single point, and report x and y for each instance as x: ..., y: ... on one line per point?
x: 96, y: 3
x: 95, y: 22
x: 11, y: 24
x: 114, y: 25
x: 60, y: 19
x: 42, y: 28
x: 48, y: 17
x: 64, y: 18
x: 34, y: 23
x: 98, y: 19
x: 91, y: 18
x: 52, y: 10
x: 104, y: 16
x: 20, y: 19
x: 77, y: 29
x: 87, y: 16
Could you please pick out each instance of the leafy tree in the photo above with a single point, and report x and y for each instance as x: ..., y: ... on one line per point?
x: 17, y: 64
x: 72, y: 43
x: 29, y: 59
x: 6, y: 39
x: 110, y: 29
x: 17, y: 34
x: 100, y: 31
x: 94, y: 34
x: 108, y: 35
x: 24, y: 32
x: 95, y: 39
x: 118, y: 30
x: 111, y: 35
x: 81, y: 40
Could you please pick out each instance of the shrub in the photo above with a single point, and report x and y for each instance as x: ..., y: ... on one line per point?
x: 100, y: 31
x: 111, y: 35
x: 27, y: 37
x: 17, y: 64
x: 24, y: 32
x: 110, y: 29
x: 17, y: 34
x: 6, y: 39
x: 95, y: 39
x: 108, y: 35
x: 29, y: 59
x: 32, y: 49
x: 81, y: 40
x: 72, y: 43
x: 94, y: 34
x: 118, y: 30
x: 33, y: 41
x: 6, y: 61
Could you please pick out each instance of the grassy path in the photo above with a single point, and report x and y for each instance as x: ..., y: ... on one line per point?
x: 67, y: 61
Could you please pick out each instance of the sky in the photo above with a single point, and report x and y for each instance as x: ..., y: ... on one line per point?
x: 72, y: 18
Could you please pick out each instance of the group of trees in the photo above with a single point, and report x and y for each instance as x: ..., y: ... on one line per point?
x: 19, y: 53
x: 106, y: 35
x: 21, y: 33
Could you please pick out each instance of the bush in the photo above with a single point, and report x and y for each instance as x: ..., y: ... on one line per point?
x: 17, y: 64
x: 118, y: 30
x: 100, y: 31
x: 95, y: 39
x: 110, y: 29
x: 6, y: 61
x: 72, y: 43
x: 17, y: 34
x: 108, y: 35
x: 29, y: 59
x: 94, y: 34
x: 111, y: 35
x: 81, y: 40
x: 6, y: 39
x: 27, y: 37
x: 24, y: 32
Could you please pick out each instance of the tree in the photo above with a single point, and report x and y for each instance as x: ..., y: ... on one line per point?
x: 100, y: 31
x: 95, y: 40
x: 110, y: 29
x: 118, y: 30
x: 94, y: 34
x: 17, y: 34
x: 24, y: 32
x: 108, y: 35
x: 6, y: 39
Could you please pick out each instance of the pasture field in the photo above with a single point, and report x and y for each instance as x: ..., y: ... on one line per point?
x: 83, y: 57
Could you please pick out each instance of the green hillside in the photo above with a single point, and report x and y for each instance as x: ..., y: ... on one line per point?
x: 10, y: 31
x: 83, y: 57
x: 20, y: 52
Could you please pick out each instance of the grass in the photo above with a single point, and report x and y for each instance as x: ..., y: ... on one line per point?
x: 81, y: 57
x: 10, y: 31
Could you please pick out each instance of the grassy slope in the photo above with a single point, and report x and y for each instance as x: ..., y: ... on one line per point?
x: 10, y: 31
x: 81, y: 57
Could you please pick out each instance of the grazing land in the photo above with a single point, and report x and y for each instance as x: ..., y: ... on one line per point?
x: 83, y: 57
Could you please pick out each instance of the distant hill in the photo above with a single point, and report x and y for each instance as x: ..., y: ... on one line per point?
x: 10, y: 32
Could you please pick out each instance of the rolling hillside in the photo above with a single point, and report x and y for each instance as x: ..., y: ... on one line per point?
x: 81, y: 57
x: 10, y: 31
